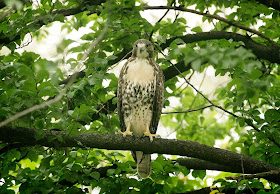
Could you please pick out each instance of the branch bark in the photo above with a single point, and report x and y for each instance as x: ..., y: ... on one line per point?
x: 118, y: 142
x: 275, y: 4
x: 207, y: 190
x: 270, y: 53
x: 217, y: 17
x: 257, y: 175
x: 40, y: 21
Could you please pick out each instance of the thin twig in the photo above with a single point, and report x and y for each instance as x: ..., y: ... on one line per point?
x: 187, y: 111
x: 209, y: 12
x: 232, y: 23
x: 180, y: 92
x: 243, y: 172
x: 150, y: 37
x: 198, y: 90
x: 115, y: 65
x: 194, y: 99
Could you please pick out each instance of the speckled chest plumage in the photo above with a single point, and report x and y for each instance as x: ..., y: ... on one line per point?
x: 138, y: 94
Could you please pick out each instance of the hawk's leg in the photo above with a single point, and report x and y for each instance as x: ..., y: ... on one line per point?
x: 127, y: 131
x: 148, y: 133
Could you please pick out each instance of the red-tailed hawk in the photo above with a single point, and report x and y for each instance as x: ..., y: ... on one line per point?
x: 140, y: 99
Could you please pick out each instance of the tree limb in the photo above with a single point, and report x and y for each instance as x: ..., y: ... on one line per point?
x: 275, y: 4
x: 270, y: 53
x: 10, y: 146
x: 39, y: 21
x: 217, y: 190
x: 118, y: 142
x: 257, y: 175
x: 232, y: 23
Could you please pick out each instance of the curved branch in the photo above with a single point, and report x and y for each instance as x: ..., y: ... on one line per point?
x: 275, y: 4
x: 232, y: 23
x: 197, y: 164
x: 118, y: 142
x: 207, y: 190
x: 257, y: 175
x: 39, y: 21
x: 10, y: 146
x: 270, y: 53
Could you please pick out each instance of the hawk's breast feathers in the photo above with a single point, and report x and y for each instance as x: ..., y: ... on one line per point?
x: 139, y: 71
x: 140, y: 93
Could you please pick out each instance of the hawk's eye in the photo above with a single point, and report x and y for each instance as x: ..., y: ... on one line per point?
x: 136, y: 45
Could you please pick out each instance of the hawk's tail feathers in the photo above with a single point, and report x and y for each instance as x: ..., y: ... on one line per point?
x: 143, y: 164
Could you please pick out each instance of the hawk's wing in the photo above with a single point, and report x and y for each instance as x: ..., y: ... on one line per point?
x: 158, y: 98
x: 120, y: 96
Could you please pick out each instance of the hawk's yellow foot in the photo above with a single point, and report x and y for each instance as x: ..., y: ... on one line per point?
x: 127, y: 132
x: 148, y: 133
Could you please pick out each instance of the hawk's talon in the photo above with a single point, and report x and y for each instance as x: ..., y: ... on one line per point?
x: 126, y: 133
x: 148, y: 134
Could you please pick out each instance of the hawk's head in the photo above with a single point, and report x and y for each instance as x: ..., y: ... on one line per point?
x: 143, y: 48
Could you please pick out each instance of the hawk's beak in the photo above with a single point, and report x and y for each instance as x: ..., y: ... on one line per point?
x: 141, y: 49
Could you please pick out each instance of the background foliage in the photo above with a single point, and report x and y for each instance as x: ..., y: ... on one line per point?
x: 251, y: 93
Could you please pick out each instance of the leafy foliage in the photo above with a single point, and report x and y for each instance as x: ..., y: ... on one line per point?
x: 252, y: 93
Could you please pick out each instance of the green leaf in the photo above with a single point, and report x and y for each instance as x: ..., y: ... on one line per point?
x: 197, y: 29
x: 199, y: 174
x: 25, y: 70
x: 196, y: 65
x: 255, y: 74
x: 96, y: 175
x: 271, y: 115
x: 32, y: 156
x: 111, y: 171
x: 42, y: 74
x: 157, y: 165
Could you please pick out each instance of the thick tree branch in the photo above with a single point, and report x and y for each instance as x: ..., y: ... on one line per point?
x: 270, y: 53
x: 257, y: 175
x: 39, y: 21
x: 10, y: 146
x: 232, y: 23
x: 190, y: 163
x: 207, y: 190
x: 118, y: 142
x: 275, y: 4
x: 198, y: 164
